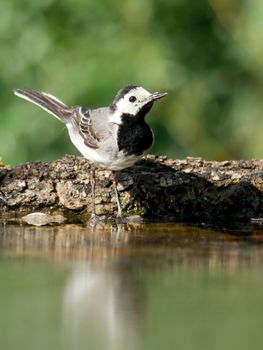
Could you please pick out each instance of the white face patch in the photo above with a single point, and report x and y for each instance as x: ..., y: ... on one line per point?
x: 132, y: 102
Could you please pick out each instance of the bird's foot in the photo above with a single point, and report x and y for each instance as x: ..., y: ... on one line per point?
x: 95, y: 219
x: 120, y: 219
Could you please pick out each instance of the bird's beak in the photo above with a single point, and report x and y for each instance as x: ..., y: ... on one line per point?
x: 156, y: 96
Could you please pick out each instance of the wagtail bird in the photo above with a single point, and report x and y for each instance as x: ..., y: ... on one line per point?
x: 112, y: 137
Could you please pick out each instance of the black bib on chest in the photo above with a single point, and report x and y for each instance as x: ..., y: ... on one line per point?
x: 134, y: 135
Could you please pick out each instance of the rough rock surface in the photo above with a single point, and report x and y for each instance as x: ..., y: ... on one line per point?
x: 191, y: 189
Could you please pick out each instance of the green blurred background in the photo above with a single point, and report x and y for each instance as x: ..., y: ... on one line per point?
x: 207, y: 54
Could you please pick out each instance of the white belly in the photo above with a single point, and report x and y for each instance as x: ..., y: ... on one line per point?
x: 108, y: 160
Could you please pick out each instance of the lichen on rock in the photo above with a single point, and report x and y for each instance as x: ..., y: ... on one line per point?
x: 190, y: 189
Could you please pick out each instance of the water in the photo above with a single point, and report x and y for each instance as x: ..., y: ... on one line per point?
x: 141, y: 286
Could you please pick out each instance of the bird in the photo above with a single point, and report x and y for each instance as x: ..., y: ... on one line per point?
x: 114, y: 137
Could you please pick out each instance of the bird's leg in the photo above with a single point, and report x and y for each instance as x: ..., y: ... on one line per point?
x: 94, y: 216
x: 115, y: 184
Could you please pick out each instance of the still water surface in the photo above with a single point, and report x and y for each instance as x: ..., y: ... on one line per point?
x: 141, y: 286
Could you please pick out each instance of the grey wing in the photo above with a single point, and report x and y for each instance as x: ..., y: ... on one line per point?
x: 82, y: 121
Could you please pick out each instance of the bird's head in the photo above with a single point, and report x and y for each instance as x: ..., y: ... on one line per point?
x: 134, y: 101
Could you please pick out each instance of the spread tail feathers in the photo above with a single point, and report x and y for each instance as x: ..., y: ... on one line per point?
x: 46, y: 101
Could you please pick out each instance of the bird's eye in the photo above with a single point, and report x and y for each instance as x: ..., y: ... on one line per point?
x: 132, y: 99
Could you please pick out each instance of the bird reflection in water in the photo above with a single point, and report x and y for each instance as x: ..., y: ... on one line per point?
x: 109, y: 269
